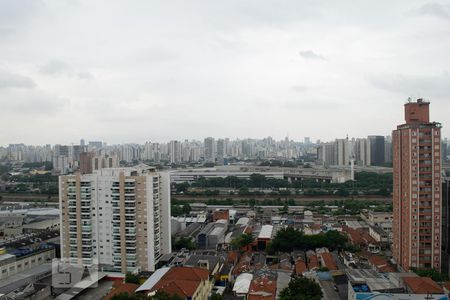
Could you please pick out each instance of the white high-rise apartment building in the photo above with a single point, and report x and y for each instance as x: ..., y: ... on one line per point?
x: 119, y: 217
x: 362, y: 152
x: 175, y: 152
x: 210, y: 149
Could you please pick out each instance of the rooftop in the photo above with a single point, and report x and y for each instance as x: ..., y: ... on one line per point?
x: 120, y: 287
x: 422, y: 285
x: 182, y: 281
x: 266, y: 232
x: 300, y: 267
x: 374, y: 280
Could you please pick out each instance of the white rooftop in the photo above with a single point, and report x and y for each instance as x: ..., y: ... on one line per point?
x: 266, y: 232
x: 242, y: 284
x: 152, y: 280
x: 243, y: 221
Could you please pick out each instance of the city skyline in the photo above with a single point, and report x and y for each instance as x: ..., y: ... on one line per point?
x: 232, y: 69
x: 201, y: 140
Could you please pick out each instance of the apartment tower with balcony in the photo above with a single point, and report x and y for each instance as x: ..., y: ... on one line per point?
x: 417, y: 189
x: 118, y: 217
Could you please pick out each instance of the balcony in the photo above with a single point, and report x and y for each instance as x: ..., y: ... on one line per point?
x: 130, y: 247
x: 86, y: 228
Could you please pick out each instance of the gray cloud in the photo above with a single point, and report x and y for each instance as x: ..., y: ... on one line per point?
x: 85, y: 75
x: 308, y: 54
x: 32, y: 101
x: 12, y: 80
x: 58, y: 67
x: 299, y: 88
x: 436, y: 9
x: 167, y: 69
x: 436, y: 86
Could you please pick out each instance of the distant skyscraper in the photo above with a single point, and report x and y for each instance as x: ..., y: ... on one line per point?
x: 307, y: 140
x: 326, y: 154
x: 362, y: 152
x: 95, y: 145
x: 82, y: 143
x: 210, y: 155
x: 175, y: 152
x: 388, y: 150
x: 417, y: 189
x: 221, y: 151
x: 342, y: 152
x: 376, y: 150
x: 86, y: 162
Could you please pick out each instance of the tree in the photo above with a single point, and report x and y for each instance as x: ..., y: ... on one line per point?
x: 216, y: 297
x: 243, y: 240
x: 433, y: 274
x: 186, y: 208
x: 184, y: 242
x: 284, y: 210
x: 160, y: 295
x: 126, y: 296
x: 131, y: 278
x: 289, y: 239
x: 302, y: 288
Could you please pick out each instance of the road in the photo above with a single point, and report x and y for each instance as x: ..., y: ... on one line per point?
x: 328, y: 291
x: 299, y: 199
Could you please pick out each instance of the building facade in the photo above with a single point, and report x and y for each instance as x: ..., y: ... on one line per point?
x: 377, y: 150
x: 417, y: 189
x: 445, y: 226
x: 119, y: 217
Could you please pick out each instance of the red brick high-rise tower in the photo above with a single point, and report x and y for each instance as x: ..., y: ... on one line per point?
x: 417, y: 189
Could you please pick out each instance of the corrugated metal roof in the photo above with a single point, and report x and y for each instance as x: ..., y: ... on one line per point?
x: 152, y: 280
x: 266, y: 232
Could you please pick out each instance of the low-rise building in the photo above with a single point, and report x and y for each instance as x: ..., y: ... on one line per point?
x: 11, y: 264
x: 378, y: 234
x: 242, y: 284
x: 380, y: 264
x: 262, y: 288
x: 327, y: 261
x: 212, y: 234
x: 209, y: 262
x: 264, y: 237
x: 370, y: 284
x: 186, y: 282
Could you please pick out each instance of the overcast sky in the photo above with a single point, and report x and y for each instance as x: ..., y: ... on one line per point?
x: 136, y: 71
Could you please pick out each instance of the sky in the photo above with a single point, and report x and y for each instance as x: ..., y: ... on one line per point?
x: 136, y: 71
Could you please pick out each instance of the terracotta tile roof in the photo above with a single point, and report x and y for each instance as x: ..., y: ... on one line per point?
x: 120, y: 287
x: 262, y: 288
x: 241, y: 267
x: 447, y: 285
x: 328, y: 261
x: 261, y: 297
x: 422, y: 285
x: 232, y: 257
x: 316, y: 227
x: 182, y: 281
x: 313, y: 262
x: 248, y: 230
x: 358, y: 236
x: 300, y: 267
x: 387, y: 269
x: 221, y: 215
x: 381, y: 264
